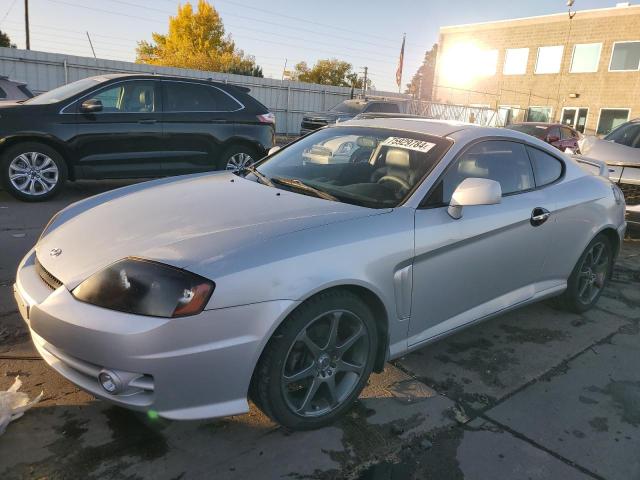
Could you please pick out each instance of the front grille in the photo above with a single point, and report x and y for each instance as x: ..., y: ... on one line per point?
x: 51, y: 281
x: 631, y: 193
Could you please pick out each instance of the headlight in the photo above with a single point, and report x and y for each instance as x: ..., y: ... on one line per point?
x: 143, y: 287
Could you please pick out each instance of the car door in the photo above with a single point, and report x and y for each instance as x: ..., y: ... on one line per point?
x: 124, y: 138
x: 489, y: 259
x: 567, y: 140
x: 554, y: 137
x: 198, y: 122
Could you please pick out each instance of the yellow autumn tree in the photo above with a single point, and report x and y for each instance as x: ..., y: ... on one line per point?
x: 197, y: 40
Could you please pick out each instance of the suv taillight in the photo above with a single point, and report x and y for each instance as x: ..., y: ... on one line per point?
x: 267, y: 118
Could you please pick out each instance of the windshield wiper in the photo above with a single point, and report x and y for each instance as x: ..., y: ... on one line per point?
x: 300, y: 185
x: 262, y: 178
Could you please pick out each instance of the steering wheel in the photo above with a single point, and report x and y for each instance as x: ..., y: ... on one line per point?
x: 396, y: 180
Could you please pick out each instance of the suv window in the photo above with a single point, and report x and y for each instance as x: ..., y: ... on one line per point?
x: 547, y: 168
x: 128, y: 97
x: 196, y: 97
x: 499, y: 160
x: 383, y: 107
x: 628, y: 135
x: 3, y: 94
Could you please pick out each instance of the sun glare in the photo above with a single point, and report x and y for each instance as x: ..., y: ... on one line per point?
x: 462, y: 63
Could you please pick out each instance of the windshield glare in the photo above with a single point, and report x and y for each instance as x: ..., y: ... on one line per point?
x: 65, y: 91
x: 350, y: 107
x: 375, y: 168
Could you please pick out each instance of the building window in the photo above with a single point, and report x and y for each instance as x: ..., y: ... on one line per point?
x: 539, y: 114
x: 549, y: 59
x: 515, y: 61
x: 610, y: 118
x: 586, y: 57
x: 488, y: 62
x: 625, y: 56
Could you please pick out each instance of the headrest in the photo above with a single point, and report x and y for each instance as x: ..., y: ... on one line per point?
x: 367, y: 142
x: 473, y: 167
x: 397, y: 157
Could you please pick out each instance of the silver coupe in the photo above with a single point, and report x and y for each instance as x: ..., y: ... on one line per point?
x: 291, y: 281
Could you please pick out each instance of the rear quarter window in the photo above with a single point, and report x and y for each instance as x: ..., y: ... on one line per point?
x: 546, y: 168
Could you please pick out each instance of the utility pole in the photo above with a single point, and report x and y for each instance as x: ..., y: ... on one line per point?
x: 26, y: 24
x: 420, y: 86
x: 91, y: 45
x: 364, y: 85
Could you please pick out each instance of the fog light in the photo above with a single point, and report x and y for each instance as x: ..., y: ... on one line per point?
x: 110, y: 382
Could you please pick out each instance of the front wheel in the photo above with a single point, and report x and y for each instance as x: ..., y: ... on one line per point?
x: 33, y: 171
x: 317, y: 362
x: 589, y: 277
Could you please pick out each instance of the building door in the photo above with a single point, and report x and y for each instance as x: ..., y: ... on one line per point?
x: 575, y: 117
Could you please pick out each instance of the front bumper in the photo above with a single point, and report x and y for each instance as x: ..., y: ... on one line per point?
x: 184, y: 368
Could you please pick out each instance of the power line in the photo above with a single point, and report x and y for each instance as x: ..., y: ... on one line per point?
x: 8, y: 11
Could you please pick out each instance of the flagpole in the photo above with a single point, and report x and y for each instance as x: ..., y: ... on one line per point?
x: 400, y: 64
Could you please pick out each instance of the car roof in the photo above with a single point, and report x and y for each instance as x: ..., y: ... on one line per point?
x: 541, y: 124
x: 439, y: 128
x: 153, y: 76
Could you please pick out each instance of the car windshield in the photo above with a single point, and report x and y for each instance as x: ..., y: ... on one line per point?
x: 348, y: 106
x: 65, y: 91
x: 537, y: 131
x: 627, y: 134
x: 371, y: 167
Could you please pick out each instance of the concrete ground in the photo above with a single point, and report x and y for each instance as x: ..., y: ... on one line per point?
x: 537, y: 393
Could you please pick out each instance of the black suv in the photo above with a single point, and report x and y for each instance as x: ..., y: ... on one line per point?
x: 129, y: 126
x: 345, y: 111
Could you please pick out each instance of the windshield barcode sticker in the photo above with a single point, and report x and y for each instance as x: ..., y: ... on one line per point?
x: 409, y: 144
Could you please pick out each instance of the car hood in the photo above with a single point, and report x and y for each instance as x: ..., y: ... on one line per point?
x: 610, y: 152
x: 179, y: 221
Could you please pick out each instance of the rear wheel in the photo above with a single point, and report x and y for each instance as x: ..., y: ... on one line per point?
x: 318, y: 361
x: 238, y: 157
x: 33, y: 171
x: 589, y: 277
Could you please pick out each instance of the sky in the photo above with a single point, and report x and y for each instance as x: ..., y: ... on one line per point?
x: 361, y: 32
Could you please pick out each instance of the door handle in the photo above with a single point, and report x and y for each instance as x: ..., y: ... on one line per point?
x: 539, y: 215
x: 148, y: 122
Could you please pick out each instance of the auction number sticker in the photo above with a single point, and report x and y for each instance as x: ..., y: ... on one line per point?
x: 409, y: 144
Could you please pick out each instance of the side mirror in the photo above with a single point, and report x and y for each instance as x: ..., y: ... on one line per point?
x: 91, y: 106
x: 273, y: 150
x: 474, y: 191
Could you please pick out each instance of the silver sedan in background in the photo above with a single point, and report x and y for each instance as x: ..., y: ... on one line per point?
x: 290, y: 282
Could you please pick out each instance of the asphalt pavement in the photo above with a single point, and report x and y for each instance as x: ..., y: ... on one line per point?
x: 537, y: 393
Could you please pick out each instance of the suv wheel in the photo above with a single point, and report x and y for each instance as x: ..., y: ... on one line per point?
x: 33, y: 171
x: 317, y: 362
x: 238, y: 157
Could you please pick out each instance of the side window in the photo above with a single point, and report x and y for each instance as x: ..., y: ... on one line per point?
x: 389, y: 107
x: 373, y: 107
x: 3, y: 94
x: 553, y: 134
x: 128, y: 97
x: 196, y: 97
x: 566, y: 133
x: 547, y: 169
x: 503, y: 161
x: 628, y: 135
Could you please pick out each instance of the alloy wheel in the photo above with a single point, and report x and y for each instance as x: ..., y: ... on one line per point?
x: 593, y: 273
x: 239, y: 161
x: 325, y: 363
x: 33, y: 173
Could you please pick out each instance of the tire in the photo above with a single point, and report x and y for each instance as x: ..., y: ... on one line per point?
x: 292, y: 381
x: 235, y: 157
x: 32, y: 171
x: 588, y: 280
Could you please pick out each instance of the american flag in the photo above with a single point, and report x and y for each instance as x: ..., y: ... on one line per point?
x: 400, y: 62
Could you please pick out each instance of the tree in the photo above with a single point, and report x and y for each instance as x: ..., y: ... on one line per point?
x: 427, y: 70
x: 197, y: 40
x: 5, y: 41
x: 328, y: 72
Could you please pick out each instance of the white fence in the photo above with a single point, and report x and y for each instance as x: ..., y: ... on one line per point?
x: 42, y: 71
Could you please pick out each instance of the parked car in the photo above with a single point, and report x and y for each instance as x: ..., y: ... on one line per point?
x: 562, y: 137
x: 347, y: 110
x: 128, y: 126
x: 620, y: 149
x: 12, y: 92
x: 319, y: 274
